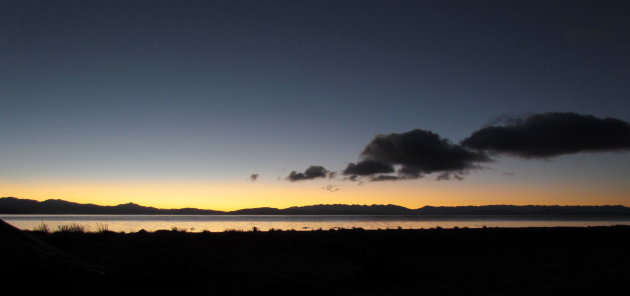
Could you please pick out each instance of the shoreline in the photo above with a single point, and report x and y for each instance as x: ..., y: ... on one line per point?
x: 82, y: 229
x: 133, y: 223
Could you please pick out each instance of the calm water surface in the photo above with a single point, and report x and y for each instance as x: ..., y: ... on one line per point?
x: 218, y: 223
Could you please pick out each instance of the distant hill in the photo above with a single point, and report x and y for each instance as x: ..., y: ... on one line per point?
x: 524, y: 210
x: 12, y: 205
x: 339, y: 209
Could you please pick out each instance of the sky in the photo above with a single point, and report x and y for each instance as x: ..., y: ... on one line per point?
x: 238, y: 104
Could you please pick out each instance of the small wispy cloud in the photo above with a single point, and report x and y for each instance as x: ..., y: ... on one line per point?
x: 331, y: 188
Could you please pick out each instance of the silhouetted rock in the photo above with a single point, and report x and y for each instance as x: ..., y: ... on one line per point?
x: 26, y: 258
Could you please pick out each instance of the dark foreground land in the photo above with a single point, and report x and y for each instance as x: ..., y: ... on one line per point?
x: 492, y: 261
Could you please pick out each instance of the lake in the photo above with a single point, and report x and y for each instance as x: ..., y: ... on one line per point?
x: 219, y: 223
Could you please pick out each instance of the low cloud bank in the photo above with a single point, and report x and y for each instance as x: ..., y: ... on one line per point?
x: 413, y: 154
x: 552, y: 134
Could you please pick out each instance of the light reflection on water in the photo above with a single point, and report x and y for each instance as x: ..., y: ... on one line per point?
x: 218, y: 223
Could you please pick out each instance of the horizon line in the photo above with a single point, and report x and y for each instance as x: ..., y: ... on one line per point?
x: 309, y: 205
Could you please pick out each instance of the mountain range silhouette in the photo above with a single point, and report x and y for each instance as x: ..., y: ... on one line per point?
x: 12, y: 205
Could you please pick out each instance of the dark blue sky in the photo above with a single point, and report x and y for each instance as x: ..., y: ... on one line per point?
x: 223, y: 89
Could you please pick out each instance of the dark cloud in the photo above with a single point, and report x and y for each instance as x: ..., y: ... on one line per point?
x: 368, y: 167
x: 312, y: 172
x: 413, y: 154
x: 417, y: 152
x: 253, y: 177
x: 551, y: 134
x: 379, y: 178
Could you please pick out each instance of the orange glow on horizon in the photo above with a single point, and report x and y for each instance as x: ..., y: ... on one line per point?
x: 226, y: 196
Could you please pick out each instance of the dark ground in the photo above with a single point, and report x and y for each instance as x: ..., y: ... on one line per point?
x: 492, y: 261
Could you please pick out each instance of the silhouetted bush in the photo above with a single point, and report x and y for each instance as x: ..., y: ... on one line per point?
x: 71, y: 228
x: 102, y: 227
x: 42, y: 228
